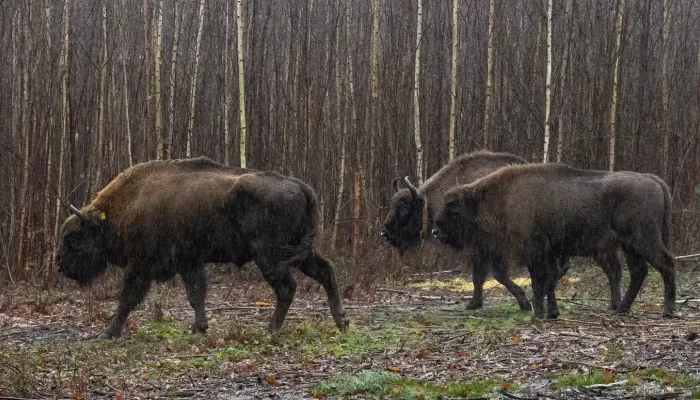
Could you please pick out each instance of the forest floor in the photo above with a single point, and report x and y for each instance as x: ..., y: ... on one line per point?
x: 413, y: 339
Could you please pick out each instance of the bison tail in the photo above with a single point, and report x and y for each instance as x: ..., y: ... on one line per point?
x: 306, y: 234
x: 666, y: 228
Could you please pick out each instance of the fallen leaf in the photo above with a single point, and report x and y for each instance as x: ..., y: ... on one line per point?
x: 421, y: 397
x: 462, y: 354
x: 394, y: 369
x: 514, y: 340
x: 668, y: 383
x: 271, y: 379
x: 533, y: 366
x: 319, y: 396
x: 263, y: 304
x: 322, y: 297
x: 422, y: 322
x: 609, y: 375
x: 79, y: 395
x: 505, y: 385
x: 442, y: 389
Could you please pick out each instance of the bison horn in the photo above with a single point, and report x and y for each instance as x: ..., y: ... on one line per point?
x: 411, y: 188
x: 77, y: 212
x: 396, y: 184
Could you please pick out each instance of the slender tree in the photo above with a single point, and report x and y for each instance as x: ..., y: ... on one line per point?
x: 193, y: 86
x: 453, y: 80
x: 241, y: 82
x: 489, y: 74
x: 158, y: 57
x: 548, y: 92
x: 173, y: 79
x: 416, y: 96
x: 615, y: 82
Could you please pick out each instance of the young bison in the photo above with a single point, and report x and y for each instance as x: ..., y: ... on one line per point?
x: 537, y: 213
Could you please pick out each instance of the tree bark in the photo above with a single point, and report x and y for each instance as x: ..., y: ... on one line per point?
x: 158, y: 49
x: 228, y: 98
x: 548, y: 92
x: 241, y: 82
x: 562, y: 90
x: 613, y: 104
x: 416, y: 96
x: 65, y: 69
x: 193, y: 86
x: 453, y: 80
x: 173, y: 78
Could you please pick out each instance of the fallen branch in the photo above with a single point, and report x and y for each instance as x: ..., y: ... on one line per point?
x: 607, y: 385
x: 512, y: 396
x: 688, y: 257
x: 435, y: 273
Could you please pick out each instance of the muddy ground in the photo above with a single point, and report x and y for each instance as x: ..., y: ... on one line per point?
x: 413, y: 339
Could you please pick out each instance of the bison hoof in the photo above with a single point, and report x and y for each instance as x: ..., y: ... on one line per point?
x: 553, y: 314
x: 199, y: 327
x: 670, y: 315
x: 474, y: 305
x: 622, y: 310
x: 108, y: 334
x: 525, y: 306
x: 342, y: 323
x: 613, y: 307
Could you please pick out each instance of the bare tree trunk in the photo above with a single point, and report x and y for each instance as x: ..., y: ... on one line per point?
x: 376, y: 118
x: 14, y: 123
x: 173, y: 73
x: 548, y: 94
x: 99, y: 151
x: 241, y: 81
x: 25, y: 136
x: 127, y: 119
x: 341, y: 128
x: 613, y: 104
x: 416, y: 95
x: 356, y: 221
x: 453, y: 81
x: 228, y: 99
x: 158, y: 48
x: 562, y: 89
x: 65, y: 68
x: 193, y: 86
x: 147, y: 63
x: 48, y: 249
x: 489, y: 74
x: 665, y: 95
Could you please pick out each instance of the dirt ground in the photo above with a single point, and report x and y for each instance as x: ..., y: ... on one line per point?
x: 413, y: 339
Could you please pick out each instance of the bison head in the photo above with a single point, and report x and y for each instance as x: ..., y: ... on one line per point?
x: 403, y: 223
x: 81, y: 253
x: 455, y: 223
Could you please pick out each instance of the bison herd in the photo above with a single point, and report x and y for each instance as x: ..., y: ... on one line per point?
x: 160, y: 219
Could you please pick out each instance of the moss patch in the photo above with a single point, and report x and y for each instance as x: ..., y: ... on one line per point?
x: 575, y: 379
x: 374, y: 384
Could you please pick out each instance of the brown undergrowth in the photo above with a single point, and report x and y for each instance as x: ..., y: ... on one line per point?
x: 408, y: 339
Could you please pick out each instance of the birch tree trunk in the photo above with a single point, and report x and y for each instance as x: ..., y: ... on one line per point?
x: 48, y: 259
x: 158, y: 49
x: 26, y: 138
x: 65, y: 64
x: 548, y: 93
x: 489, y: 74
x: 416, y: 95
x: 147, y: 40
x: 173, y: 77
x: 193, y: 86
x: 341, y: 128
x: 228, y: 99
x: 613, y: 104
x: 241, y: 81
x: 562, y: 89
x: 453, y: 81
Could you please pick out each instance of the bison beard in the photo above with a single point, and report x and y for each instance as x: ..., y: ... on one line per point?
x: 538, y: 214
x: 164, y: 218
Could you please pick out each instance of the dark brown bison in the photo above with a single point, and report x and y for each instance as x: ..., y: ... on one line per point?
x: 163, y: 218
x: 411, y: 210
x: 536, y: 214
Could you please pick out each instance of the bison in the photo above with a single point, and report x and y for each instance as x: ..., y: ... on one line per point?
x: 411, y: 210
x: 535, y: 214
x: 164, y: 218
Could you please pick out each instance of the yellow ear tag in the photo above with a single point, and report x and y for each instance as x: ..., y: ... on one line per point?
x: 103, y: 216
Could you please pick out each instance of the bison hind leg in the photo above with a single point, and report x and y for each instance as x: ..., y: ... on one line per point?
x: 638, y: 272
x: 282, y: 282
x: 196, y: 286
x: 319, y: 269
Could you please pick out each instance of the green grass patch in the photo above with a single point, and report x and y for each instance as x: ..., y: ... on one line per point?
x: 673, y: 379
x: 575, y: 379
x: 375, y: 384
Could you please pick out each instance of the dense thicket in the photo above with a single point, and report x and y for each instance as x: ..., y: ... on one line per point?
x: 89, y: 87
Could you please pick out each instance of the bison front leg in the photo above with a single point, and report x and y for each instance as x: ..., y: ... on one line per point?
x: 320, y: 270
x: 284, y: 286
x: 480, y: 268
x: 134, y: 289
x: 196, y: 286
x: 500, y: 273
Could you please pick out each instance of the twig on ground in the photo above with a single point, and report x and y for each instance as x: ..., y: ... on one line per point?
x: 435, y: 273
x: 393, y: 291
x: 607, y: 385
x: 512, y: 396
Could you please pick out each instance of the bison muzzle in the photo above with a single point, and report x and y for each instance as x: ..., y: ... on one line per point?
x: 165, y: 218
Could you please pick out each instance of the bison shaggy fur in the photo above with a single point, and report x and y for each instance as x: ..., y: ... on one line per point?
x: 535, y: 214
x: 160, y: 219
